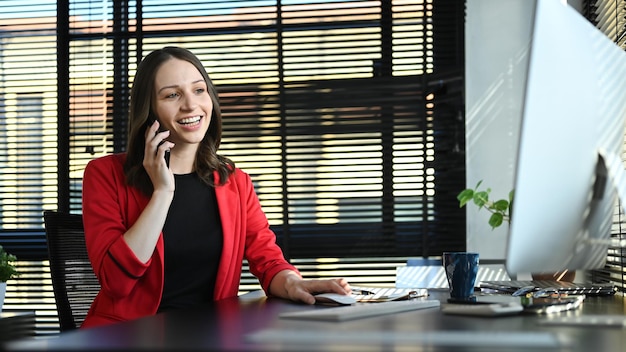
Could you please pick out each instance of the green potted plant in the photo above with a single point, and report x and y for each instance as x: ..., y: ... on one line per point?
x: 500, y: 212
x: 8, y: 270
x: 500, y: 209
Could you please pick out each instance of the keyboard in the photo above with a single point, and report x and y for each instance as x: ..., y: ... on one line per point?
x: 588, y: 289
x: 450, y: 340
x: 360, y: 310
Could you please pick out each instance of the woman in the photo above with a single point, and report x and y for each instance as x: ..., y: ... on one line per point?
x: 163, y: 234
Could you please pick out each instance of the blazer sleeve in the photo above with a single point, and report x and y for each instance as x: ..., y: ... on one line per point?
x: 264, y: 256
x: 106, y: 220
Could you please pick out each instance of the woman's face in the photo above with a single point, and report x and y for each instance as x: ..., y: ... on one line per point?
x: 183, y: 105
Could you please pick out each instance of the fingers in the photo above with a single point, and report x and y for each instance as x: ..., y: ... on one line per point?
x: 344, y: 284
x: 152, y: 131
x: 338, y: 286
x: 305, y: 289
x: 154, y: 137
x: 306, y: 297
x: 156, y: 143
x: 154, y: 158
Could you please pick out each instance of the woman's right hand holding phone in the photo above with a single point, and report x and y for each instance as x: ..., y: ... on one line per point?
x: 143, y: 235
x: 154, y: 158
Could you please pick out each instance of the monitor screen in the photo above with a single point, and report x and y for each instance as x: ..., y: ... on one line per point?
x: 573, y: 117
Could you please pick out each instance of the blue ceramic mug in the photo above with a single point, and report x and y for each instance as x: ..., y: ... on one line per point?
x: 461, y: 270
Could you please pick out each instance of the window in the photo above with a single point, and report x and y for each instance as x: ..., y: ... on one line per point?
x: 347, y: 114
x: 331, y: 106
x: 609, y: 16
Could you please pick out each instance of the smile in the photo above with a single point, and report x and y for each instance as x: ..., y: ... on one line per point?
x: 190, y: 120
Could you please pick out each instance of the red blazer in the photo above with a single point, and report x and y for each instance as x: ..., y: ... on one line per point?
x: 132, y: 289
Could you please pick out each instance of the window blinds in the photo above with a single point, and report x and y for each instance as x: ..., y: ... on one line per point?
x: 330, y: 106
x: 348, y: 115
x: 610, y: 17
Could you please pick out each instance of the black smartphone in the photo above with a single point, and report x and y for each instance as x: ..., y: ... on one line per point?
x: 151, y: 120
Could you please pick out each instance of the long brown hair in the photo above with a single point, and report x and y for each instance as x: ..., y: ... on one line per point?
x: 141, y: 116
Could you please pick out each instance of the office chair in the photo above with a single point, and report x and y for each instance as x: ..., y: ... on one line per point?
x: 73, y: 281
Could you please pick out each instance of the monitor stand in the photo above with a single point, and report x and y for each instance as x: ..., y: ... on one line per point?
x: 610, y: 166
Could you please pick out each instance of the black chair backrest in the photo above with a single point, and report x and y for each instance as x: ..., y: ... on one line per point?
x: 74, y: 283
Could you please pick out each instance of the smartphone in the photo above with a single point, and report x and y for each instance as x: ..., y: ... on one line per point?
x: 492, y: 309
x: 151, y: 120
x: 548, y: 305
x: 487, y: 299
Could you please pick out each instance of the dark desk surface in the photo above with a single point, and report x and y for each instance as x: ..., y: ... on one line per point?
x: 231, y: 324
x: 16, y: 325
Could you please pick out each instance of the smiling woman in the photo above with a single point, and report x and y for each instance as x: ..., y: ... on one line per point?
x: 163, y: 237
x: 183, y: 107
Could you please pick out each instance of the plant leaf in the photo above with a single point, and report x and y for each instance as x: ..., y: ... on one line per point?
x: 501, y: 205
x: 465, y: 196
x: 481, y: 198
x: 495, y: 220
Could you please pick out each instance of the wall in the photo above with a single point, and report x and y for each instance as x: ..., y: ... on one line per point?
x: 497, y: 36
x: 495, y: 59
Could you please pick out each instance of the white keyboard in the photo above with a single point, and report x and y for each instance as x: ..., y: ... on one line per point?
x: 411, y: 340
x: 360, y: 310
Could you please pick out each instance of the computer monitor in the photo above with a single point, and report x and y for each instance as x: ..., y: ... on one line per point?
x: 570, y: 146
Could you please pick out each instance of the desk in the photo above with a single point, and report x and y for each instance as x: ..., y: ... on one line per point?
x: 16, y: 325
x: 228, y: 325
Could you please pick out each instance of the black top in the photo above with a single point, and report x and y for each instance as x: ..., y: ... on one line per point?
x: 193, y: 239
